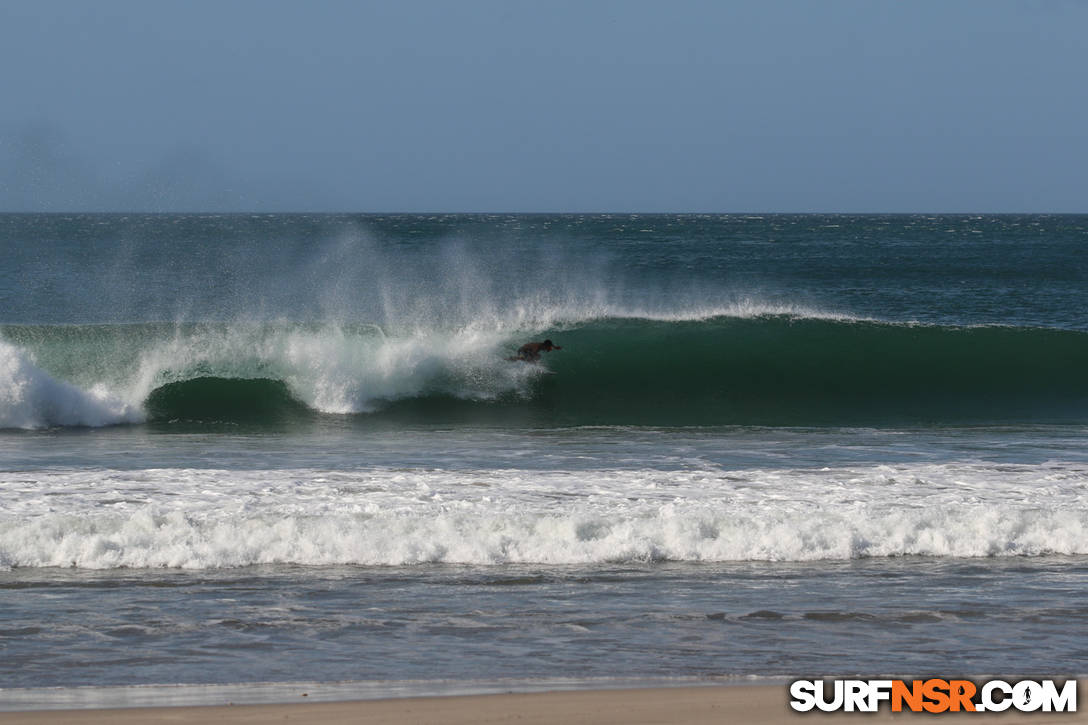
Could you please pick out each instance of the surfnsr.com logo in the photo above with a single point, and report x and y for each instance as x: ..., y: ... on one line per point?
x: 933, y: 695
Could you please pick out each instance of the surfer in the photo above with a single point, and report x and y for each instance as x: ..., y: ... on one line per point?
x: 530, y: 351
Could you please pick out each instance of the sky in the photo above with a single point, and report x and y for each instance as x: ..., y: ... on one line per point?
x: 557, y: 106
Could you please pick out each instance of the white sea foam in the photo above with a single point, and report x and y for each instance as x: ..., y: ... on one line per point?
x: 32, y: 398
x: 221, y: 518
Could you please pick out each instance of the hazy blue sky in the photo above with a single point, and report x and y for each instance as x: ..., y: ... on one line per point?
x: 830, y: 105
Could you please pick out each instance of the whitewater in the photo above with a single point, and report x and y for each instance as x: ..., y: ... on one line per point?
x: 211, y: 518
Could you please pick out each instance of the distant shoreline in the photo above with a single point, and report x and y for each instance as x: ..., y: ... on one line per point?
x: 107, y: 697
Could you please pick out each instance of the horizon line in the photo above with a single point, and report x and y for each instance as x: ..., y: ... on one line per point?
x: 251, y: 212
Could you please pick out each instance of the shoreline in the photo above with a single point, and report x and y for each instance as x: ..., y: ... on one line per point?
x: 710, y: 702
x: 118, y: 697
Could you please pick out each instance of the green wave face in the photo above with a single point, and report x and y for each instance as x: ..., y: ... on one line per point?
x: 767, y: 370
x: 778, y: 371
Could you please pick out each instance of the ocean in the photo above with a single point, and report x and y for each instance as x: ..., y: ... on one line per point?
x: 295, y: 448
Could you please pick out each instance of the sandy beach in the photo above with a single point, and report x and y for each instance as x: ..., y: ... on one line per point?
x: 736, y: 703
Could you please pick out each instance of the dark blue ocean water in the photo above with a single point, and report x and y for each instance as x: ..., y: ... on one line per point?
x: 245, y: 448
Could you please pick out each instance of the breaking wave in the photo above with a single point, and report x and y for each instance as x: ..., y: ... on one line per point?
x: 747, y: 365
